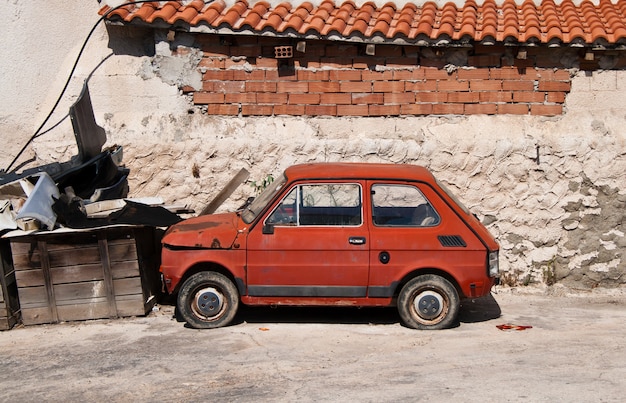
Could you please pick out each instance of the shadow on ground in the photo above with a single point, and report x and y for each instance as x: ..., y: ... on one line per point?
x: 472, y: 311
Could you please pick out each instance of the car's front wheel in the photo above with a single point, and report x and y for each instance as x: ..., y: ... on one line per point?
x: 208, y: 300
x: 428, y: 302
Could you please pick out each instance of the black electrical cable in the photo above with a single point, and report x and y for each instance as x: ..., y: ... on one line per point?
x: 67, y: 83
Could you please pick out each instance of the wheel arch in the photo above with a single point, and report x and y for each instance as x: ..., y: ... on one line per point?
x: 210, y: 266
x: 428, y: 270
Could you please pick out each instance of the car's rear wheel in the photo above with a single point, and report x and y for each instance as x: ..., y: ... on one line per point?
x: 208, y: 300
x: 428, y: 302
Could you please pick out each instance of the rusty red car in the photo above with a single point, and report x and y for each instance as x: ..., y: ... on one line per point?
x: 334, y: 234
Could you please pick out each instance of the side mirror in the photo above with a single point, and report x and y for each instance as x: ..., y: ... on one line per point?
x: 268, y: 229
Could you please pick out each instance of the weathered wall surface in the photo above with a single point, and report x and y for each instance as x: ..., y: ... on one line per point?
x: 550, y: 188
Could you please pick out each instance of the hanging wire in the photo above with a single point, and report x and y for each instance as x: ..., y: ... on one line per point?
x: 38, y: 132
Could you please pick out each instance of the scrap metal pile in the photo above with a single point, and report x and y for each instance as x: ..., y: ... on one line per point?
x: 86, y: 192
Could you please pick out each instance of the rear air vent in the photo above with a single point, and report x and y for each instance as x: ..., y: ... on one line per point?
x: 451, y: 241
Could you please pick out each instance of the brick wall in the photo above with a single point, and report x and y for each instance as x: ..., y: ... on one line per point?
x: 241, y: 76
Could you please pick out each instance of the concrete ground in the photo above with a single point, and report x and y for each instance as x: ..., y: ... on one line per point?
x: 575, y: 351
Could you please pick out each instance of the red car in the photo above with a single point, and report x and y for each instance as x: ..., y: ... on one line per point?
x: 334, y: 234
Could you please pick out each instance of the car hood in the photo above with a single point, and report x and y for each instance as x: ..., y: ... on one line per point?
x: 213, y: 231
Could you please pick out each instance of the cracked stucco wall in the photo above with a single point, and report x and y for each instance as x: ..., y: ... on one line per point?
x: 559, y: 217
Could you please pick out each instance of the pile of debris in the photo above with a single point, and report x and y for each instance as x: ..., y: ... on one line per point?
x: 86, y: 192
x: 72, y: 245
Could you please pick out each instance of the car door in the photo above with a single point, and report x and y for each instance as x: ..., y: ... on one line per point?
x: 313, y: 243
x: 413, y: 228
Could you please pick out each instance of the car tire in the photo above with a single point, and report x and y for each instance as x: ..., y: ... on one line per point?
x: 208, y: 300
x: 428, y: 302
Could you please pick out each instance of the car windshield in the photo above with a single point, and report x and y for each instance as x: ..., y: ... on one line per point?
x: 258, y: 204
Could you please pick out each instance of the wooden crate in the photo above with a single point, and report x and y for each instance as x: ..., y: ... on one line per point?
x: 9, y: 302
x: 101, y: 273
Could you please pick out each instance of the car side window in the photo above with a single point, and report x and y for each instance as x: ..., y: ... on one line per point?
x: 402, y: 205
x: 320, y: 204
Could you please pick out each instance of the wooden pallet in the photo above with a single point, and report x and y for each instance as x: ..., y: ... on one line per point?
x: 102, y: 273
x: 9, y: 302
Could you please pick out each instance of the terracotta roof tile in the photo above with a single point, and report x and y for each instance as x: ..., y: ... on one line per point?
x: 547, y: 22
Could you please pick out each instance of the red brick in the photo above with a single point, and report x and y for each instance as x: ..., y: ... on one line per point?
x: 261, y: 86
x: 388, y: 86
x: 296, y: 110
x: 463, y: 97
x: 366, y: 98
x: 254, y: 75
x: 354, y: 86
x: 522, y: 64
x: 384, y: 110
x: 209, y: 86
x: 529, y: 97
x: 292, y: 86
x: 431, y: 97
x: 271, y: 75
x: 304, y: 99
x: 228, y: 63
x: 218, y: 75
x: 485, y: 85
x: 367, y: 62
x: 495, y: 96
x: 416, y: 109
x: 427, y: 85
x: 555, y: 86
x: 271, y: 98
x: 320, y: 110
x: 344, y: 75
x: 336, y: 62
x: 401, y: 62
x: 265, y: 62
x: 452, y: 85
x: 260, y: 110
x: 336, y: 99
x: 212, y: 62
x: 309, y: 75
x: 555, y: 97
x: 399, y: 98
x: 414, y: 74
x: 554, y: 75
x: 518, y: 85
x: 480, y: 109
x: 371, y: 75
x: 436, y: 74
x: 446, y: 109
x: 546, y: 110
x: 240, y: 98
x: 215, y: 50
x: 513, y: 109
x: 325, y: 86
x: 352, y: 110
x: 473, y: 74
x: 201, y: 98
x: 229, y: 86
x: 505, y: 73
x: 221, y: 109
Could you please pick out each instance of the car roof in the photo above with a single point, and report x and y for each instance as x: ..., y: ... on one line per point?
x: 358, y: 170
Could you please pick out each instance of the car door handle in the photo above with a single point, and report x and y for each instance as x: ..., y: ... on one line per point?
x: 357, y: 240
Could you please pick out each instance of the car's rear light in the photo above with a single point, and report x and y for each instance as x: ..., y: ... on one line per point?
x: 494, y: 267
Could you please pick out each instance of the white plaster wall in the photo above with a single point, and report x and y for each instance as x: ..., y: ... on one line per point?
x: 489, y: 161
